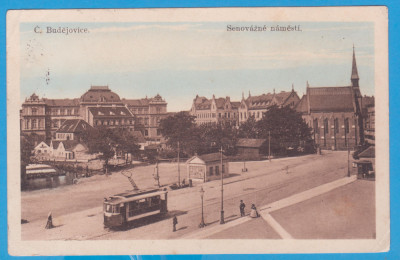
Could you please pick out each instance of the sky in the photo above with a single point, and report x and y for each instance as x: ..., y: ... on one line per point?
x: 182, y: 60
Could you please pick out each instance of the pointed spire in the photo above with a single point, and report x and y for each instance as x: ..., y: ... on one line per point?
x: 354, y: 71
x: 308, y: 85
x: 292, y: 87
x: 242, y: 94
x: 249, y: 94
x: 274, y: 91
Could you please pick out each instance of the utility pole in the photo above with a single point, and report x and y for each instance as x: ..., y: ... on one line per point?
x: 222, y: 193
x: 179, y: 168
x: 157, y: 175
x: 269, y: 146
x: 348, y: 161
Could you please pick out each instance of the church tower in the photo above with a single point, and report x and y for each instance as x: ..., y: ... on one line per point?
x: 357, y: 97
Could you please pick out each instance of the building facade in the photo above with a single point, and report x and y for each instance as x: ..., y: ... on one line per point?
x: 99, y: 107
x: 214, y: 111
x: 255, y: 106
x: 148, y: 112
x: 207, y: 167
x: 334, y: 114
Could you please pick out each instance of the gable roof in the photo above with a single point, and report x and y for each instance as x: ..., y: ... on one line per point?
x: 212, y: 157
x: 74, y: 126
x: 248, y: 142
x: 136, y: 102
x: 302, y: 106
x: 330, y: 99
x: 69, y: 145
x: 115, y: 112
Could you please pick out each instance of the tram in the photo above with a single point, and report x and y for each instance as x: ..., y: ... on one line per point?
x: 120, y: 209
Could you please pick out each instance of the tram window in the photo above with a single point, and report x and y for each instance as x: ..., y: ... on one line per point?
x: 142, y: 203
x: 155, y: 200
x: 108, y: 208
x: 115, y: 209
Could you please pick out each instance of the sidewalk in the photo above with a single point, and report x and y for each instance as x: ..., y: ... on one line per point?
x: 265, y: 210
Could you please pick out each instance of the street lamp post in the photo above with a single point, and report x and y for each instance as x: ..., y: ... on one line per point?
x: 202, y: 224
x: 222, y: 192
x: 348, y: 161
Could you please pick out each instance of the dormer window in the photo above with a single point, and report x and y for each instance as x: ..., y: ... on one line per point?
x: 123, y: 113
x: 101, y: 113
x: 112, y: 113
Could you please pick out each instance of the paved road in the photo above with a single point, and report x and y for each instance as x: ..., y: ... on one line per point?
x: 264, y: 183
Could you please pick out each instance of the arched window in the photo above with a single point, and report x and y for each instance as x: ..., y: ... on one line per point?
x: 34, y: 124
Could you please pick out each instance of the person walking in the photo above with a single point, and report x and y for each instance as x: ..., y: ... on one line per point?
x: 49, y: 224
x: 174, y: 223
x: 241, y: 207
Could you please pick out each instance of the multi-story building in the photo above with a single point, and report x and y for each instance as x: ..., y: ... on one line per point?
x: 257, y: 105
x: 214, y: 110
x: 334, y: 113
x: 99, y: 106
x: 148, y: 112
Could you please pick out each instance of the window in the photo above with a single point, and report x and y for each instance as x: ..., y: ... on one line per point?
x: 336, y: 125
x: 316, y: 130
x: 216, y: 170
x: 211, y: 171
x: 223, y: 168
x: 34, y: 111
x: 158, y: 110
x: 62, y: 112
x: 146, y: 132
x: 346, y: 126
x: 34, y: 124
x: 326, y: 126
x: 158, y: 132
x: 69, y: 112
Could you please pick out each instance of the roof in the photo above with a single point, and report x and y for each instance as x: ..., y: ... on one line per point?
x: 121, y: 112
x: 368, y: 153
x: 220, y: 102
x: 259, y: 102
x: 202, y: 103
x: 235, y: 104
x: 302, y: 106
x: 68, y: 144
x: 134, y: 195
x: 100, y: 94
x: 247, y: 142
x: 74, y: 126
x: 282, y: 96
x: 66, y: 102
x: 354, y: 72
x: 330, y: 99
x: 211, y: 157
x: 143, y: 102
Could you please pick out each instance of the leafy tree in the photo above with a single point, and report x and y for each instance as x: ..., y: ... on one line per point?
x: 101, y: 140
x: 286, y: 128
x: 125, y: 141
x: 215, y: 136
x: 249, y: 128
x: 180, y: 129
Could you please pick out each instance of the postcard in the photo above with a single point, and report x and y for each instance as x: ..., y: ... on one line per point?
x: 198, y: 131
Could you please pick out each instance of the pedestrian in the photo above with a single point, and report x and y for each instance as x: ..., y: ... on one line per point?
x: 49, y: 224
x: 241, y: 207
x: 254, y: 212
x: 174, y: 223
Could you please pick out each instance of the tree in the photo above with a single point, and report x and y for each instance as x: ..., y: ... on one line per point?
x: 249, y: 128
x: 215, y: 136
x: 101, y: 140
x: 179, y: 129
x: 125, y: 142
x: 286, y: 128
